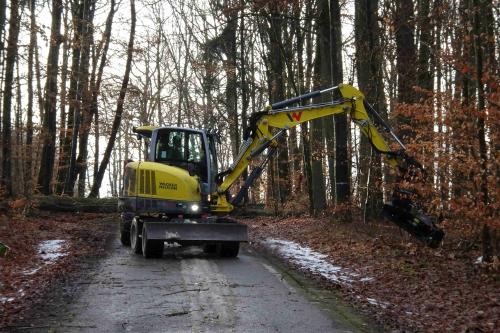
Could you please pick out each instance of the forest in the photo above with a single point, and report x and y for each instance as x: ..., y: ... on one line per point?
x: 77, y: 76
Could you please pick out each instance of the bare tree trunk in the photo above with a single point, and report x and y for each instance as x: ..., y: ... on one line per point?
x: 37, y: 149
x: 480, y: 9
x: 7, y: 96
x: 424, y: 75
x: 466, y: 91
x: 425, y: 78
x: 296, y: 80
x: 49, y: 120
x: 87, y: 116
x: 71, y: 140
x: 3, y: 24
x: 38, y: 77
x: 229, y: 45
x: 96, y: 80
x: 18, y: 156
x: 441, y: 141
x: 324, y: 58
x: 97, y: 135
x: 244, y: 84
x: 158, y: 74
x: 369, y: 70
x: 342, y: 160
x: 28, y: 189
x: 119, y: 108
x: 256, y: 188
x: 306, y: 81
x: 491, y: 66
x: 405, y: 49
x: 277, y: 94
x: 112, y: 173
x: 63, y: 125
x: 317, y: 141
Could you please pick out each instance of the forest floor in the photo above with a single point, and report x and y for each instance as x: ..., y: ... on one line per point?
x: 402, y: 284
x: 44, y: 250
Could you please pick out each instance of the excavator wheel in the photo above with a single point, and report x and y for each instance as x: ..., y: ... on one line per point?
x: 135, y: 236
x: 125, y: 232
x: 151, y: 248
x: 228, y: 249
x: 210, y: 248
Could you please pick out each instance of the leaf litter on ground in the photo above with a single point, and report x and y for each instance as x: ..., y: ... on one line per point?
x: 413, y: 288
x: 43, y: 250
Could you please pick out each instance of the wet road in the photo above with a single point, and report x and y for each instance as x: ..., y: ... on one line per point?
x: 188, y: 291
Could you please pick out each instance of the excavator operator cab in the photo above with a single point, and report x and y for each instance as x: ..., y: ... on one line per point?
x: 188, y: 149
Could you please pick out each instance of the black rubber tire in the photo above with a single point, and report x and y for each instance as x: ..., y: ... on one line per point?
x: 135, y: 236
x: 228, y: 249
x: 210, y: 248
x: 151, y: 248
x: 125, y: 232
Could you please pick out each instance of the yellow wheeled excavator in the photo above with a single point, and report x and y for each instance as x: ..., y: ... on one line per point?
x: 178, y: 194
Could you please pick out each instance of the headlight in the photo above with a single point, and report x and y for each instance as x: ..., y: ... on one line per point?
x: 195, y: 208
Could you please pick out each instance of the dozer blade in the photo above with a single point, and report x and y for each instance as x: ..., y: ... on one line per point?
x: 210, y: 232
x: 414, y: 222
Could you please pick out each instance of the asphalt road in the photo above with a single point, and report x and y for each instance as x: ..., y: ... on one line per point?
x: 189, y: 291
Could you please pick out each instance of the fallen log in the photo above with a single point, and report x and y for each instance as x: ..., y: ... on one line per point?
x: 70, y: 204
x: 251, y: 210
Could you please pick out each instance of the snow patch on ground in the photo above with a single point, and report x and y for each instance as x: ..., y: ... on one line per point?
x: 376, y: 302
x: 31, y: 271
x: 366, y: 279
x: 313, y: 261
x: 49, y: 251
x: 373, y: 301
x: 317, y: 263
x: 4, y: 300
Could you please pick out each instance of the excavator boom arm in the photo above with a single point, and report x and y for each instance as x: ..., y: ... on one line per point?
x: 268, y: 126
x: 262, y: 130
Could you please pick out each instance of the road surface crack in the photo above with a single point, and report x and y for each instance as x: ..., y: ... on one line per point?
x: 184, y: 291
x: 180, y: 313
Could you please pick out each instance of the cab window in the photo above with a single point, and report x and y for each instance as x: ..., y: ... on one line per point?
x: 179, y: 146
x: 170, y: 146
x: 195, y: 147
